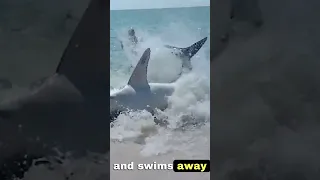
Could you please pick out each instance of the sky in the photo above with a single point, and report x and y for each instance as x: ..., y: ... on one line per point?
x: 150, y: 4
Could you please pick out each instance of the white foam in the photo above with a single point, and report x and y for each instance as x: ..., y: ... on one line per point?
x: 190, y: 100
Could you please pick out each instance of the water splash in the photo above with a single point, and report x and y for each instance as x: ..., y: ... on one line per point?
x: 189, y: 110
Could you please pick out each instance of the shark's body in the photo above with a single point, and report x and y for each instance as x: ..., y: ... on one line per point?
x: 153, y: 96
x: 138, y: 94
x: 68, y: 109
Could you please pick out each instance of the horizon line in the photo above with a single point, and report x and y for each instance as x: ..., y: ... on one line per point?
x: 159, y: 8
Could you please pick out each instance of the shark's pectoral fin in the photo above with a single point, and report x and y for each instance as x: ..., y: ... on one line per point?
x: 139, y: 75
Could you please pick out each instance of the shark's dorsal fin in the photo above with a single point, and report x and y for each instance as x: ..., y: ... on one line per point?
x: 139, y: 75
x: 85, y: 59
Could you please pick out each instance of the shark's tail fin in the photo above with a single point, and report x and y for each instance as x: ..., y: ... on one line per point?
x: 191, y: 50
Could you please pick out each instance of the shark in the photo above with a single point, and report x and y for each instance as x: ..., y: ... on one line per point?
x: 138, y: 93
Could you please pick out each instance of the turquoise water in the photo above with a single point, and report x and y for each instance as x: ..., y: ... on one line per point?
x: 134, y: 137
x: 155, y: 21
x: 155, y: 28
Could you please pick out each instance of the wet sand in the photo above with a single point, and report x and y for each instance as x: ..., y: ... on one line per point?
x: 84, y: 169
x: 121, y: 154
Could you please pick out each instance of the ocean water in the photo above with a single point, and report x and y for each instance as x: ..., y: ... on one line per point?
x: 134, y: 136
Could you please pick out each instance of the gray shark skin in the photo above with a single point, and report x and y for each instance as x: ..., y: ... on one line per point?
x: 138, y: 94
x: 68, y: 109
x: 185, y: 54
